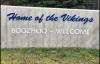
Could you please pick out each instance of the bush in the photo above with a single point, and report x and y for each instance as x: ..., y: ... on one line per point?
x: 54, y: 3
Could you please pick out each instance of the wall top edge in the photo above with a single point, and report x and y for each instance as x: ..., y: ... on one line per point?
x: 49, y: 8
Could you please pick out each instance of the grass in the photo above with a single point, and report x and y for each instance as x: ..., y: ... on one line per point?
x: 49, y: 56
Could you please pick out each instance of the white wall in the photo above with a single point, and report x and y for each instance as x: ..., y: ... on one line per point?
x: 15, y: 40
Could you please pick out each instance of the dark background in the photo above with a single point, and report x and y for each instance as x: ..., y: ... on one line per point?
x: 76, y: 4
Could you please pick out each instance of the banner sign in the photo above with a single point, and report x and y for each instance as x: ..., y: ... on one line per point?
x: 24, y: 27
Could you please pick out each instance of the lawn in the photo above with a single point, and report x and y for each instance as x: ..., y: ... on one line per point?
x: 49, y: 56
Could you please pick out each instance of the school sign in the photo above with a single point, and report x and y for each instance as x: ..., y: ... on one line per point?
x: 24, y: 27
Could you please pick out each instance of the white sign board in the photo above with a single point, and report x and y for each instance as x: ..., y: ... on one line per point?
x: 24, y: 27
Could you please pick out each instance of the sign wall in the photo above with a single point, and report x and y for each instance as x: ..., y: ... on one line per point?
x: 24, y: 27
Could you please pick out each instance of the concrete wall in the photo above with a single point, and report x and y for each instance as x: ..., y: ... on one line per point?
x: 50, y: 39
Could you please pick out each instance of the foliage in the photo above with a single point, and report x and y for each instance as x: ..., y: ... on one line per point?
x: 83, y: 4
x: 49, y: 3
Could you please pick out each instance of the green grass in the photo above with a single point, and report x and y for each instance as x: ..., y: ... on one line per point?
x: 49, y: 56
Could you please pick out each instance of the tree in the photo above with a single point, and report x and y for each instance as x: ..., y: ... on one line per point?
x: 53, y: 3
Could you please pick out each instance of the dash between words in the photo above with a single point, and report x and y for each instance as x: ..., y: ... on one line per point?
x: 52, y: 17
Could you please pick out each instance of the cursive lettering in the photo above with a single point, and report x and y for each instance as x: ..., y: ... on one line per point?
x: 14, y: 16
